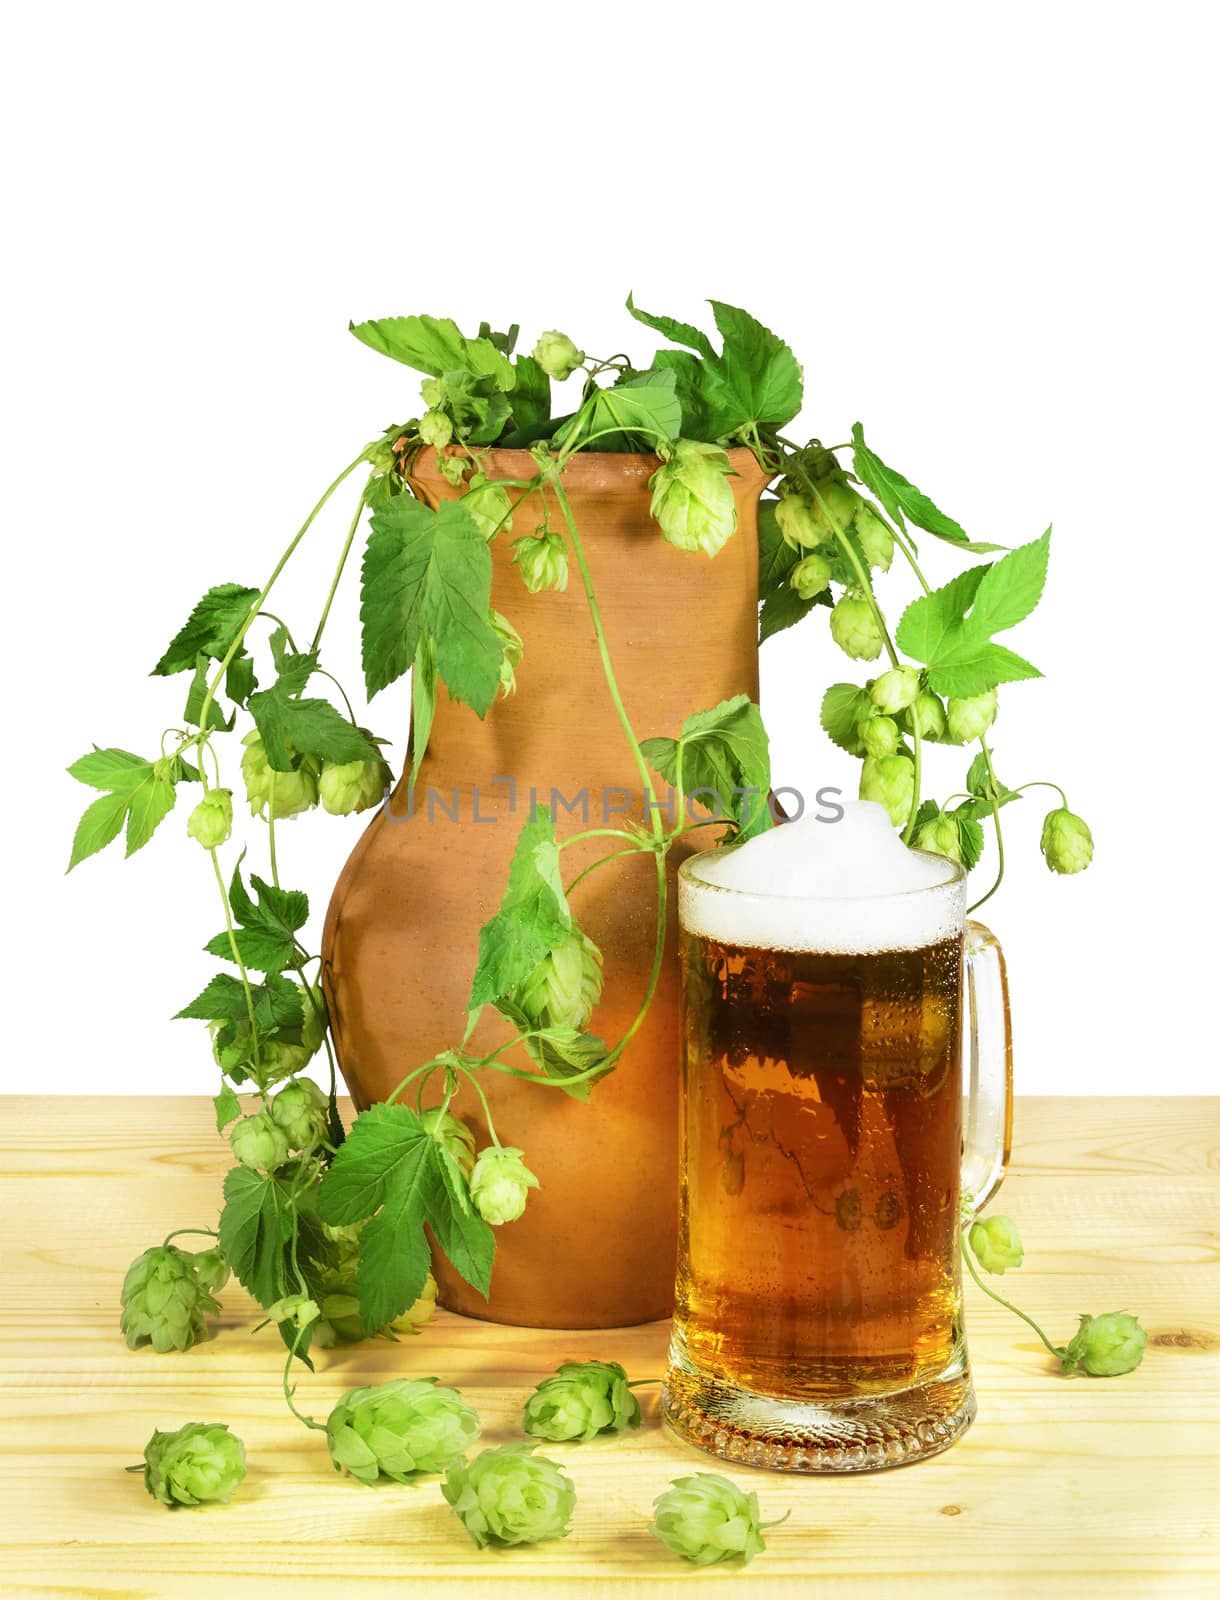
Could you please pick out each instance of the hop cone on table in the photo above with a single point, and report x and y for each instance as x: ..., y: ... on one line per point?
x: 199, y: 1464
x: 584, y: 1398
x: 399, y: 1430
x: 166, y: 1297
x: 1106, y: 1346
x: 509, y: 1496
x: 707, y: 1519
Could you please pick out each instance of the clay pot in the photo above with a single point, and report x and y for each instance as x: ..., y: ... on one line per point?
x: 596, y: 1246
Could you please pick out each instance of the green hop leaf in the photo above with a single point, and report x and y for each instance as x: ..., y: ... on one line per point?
x: 902, y: 499
x: 500, y: 1184
x: 564, y: 987
x: 294, y: 791
x: 258, y: 1141
x: 454, y: 1137
x: 341, y: 1321
x: 970, y: 716
x: 165, y: 1301
x: 583, y: 1399
x: 201, y: 1464
x: 510, y: 1496
x: 533, y: 916
x: 1067, y: 842
x: 855, y: 628
x: 894, y: 691
x: 209, y: 630
x: 707, y: 1519
x: 889, y: 780
x: 845, y: 707
x: 1106, y: 1346
x: 558, y: 357
x: 542, y: 560
x: 878, y: 736
x: 299, y: 1110
x: 996, y: 1244
x: 427, y: 575
x: 347, y: 787
x: 391, y: 1171
x: 139, y: 793
x: 692, y: 499
x: 211, y: 821
x: 810, y: 576
x: 723, y: 754
x: 399, y: 1430
x: 436, y: 428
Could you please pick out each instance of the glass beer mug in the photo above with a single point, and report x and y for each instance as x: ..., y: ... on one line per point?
x: 838, y: 1111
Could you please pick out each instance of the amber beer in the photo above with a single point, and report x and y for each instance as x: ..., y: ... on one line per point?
x: 820, y: 1166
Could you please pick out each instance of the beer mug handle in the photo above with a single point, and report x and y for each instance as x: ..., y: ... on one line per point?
x: 987, y: 1064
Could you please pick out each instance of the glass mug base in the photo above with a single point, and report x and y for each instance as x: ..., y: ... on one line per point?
x: 834, y: 1436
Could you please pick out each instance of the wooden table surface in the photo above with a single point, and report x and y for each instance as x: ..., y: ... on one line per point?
x: 1064, y: 1486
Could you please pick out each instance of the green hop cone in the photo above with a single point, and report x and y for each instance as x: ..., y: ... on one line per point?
x: 258, y: 1141
x: 795, y: 520
x: 211, y: 1270
x: 294, y: 791
x: 1067, y: 843
x: 435, y: 393
x: 584, y: 1398
x: 346, y: 787
x: 514, y: 649
x: 298, y: 1309
x: 941, y: 837
x: 452, y: 1136
x: 417, y: 1314
x: 895, y: 690
x: 211, y: 821
x: 165, y: 1301
x: 510, y: 1496
x: 489, y: 505
x: 876, y: 540
x: 890, y: 780
x: 996, y: 1244
x: 399, y: 1430
x: 542, y: 560
x: 926, y: 715
x: 500, y: 1184
x: 810, y: 575
x: 707, y: 1519
x: 970, y: 718
x: 835, y: 506
x: 565, y: 985
x: 436, y: 428
x: 855, y: 629
x: 557, y: 355
x: 1106, y: 1346
x: 300, y: 1111
x: 201, y: 1464
x: 692, y: 499
x: 878, y: 735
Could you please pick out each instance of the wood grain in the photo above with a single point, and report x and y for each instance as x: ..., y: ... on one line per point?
x: 1062, y: 1487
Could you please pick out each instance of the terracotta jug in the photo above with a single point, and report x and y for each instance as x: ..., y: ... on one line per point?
x: 596, y: 1246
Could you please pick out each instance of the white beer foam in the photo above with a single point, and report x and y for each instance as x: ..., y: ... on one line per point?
x: 838, y: 888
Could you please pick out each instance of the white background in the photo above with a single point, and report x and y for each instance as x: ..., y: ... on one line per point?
x: 986, y: 233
